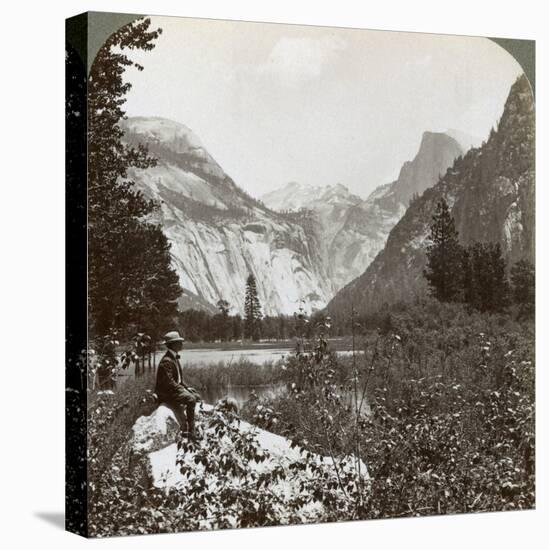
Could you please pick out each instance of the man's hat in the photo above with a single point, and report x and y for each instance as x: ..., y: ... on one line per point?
x: 172, y: 336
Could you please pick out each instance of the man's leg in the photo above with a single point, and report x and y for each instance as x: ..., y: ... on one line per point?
x: 190, y: 408
x: 187, y: 403
x: 180, y: 414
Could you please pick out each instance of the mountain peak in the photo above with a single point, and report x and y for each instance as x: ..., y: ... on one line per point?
x: 340, y: 188
x: 168, y: 138
x: 429, y: 134
x: 295, y: 195
x: 491, y: 190
x: 436, y: 153
x: 436, y: 139
x: 162, y: 130
x: 296, y: 185
x: 339, y: 193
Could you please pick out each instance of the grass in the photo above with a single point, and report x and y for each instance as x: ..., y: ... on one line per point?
x: 241, y: 372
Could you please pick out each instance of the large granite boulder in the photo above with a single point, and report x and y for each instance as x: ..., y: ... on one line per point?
x: 154, y: 432
x: 157, y: 461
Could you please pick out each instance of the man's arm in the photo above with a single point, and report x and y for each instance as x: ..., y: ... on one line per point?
x: 168, y: 381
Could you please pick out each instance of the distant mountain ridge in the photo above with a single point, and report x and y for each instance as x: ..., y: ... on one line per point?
x: 218, y: 233
x: 293, y: 196
x: 352, y: 230
x: 491, y: 194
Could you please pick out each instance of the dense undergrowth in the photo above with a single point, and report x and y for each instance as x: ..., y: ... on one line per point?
x: 439, y: 406
x: 451, y: 400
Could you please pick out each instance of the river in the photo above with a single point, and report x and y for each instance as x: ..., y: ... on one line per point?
x: 210, y: 356
x: 257, y: 354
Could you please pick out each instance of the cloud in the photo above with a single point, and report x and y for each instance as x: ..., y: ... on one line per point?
x: 424, y: 61
x: 295, y: 60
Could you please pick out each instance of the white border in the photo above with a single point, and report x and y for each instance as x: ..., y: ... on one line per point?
x: 32, y: 288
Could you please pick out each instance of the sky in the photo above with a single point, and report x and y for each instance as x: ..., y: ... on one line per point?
x: 277, y: 103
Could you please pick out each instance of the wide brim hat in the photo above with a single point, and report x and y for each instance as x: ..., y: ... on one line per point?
x: 173, y: 336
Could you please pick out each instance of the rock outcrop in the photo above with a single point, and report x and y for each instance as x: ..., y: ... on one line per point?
x: 157, y: 462
x: 218, y: 233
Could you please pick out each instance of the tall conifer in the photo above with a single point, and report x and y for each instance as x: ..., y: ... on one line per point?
x: 524, y: 288
x: 129, y: 272
x: 252, y: 310
x: 444, y: 256
x: 485, y: 285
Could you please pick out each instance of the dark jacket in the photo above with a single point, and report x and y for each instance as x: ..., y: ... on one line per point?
x: 167, y: 387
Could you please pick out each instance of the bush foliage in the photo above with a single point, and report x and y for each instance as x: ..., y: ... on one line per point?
x: 433, y: 416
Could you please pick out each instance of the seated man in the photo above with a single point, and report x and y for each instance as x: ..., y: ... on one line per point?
x: 171, y: 389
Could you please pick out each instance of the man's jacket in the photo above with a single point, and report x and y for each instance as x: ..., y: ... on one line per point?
x: 167, y: 376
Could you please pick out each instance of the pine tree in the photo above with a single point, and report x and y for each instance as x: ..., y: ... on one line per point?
x: 466, y: 276
x: 252, y: 310
x: 223, y: 307
x: 523, y: 280
x: 281, y: 331
x: 499, y: 283
x: 237, y: 327
x: 130, y: 277
x: 153, y: 298
x: 224, y: 320
x: 444, y: 256
x: 486, y: 287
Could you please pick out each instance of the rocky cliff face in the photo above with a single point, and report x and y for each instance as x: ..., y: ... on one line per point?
x: 491, y: 193
x: 294, y: 196
x: 331, y: 206
x: 218, y: 233
x: 353, y: 231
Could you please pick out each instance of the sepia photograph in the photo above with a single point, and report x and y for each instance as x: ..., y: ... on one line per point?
x: 300, y: 274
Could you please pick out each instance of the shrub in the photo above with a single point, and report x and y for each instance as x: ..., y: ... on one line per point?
x: 440, y: 408
x: 451, y: 427
x: 111, y: 416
